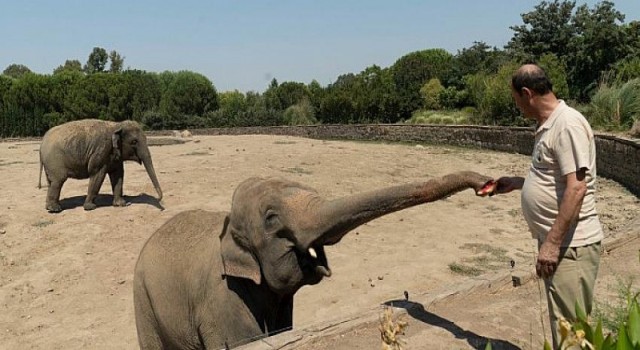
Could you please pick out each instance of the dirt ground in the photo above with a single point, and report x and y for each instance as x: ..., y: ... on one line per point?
x: 65, y: 279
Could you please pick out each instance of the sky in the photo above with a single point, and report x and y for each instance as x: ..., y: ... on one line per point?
x: 244, y: 44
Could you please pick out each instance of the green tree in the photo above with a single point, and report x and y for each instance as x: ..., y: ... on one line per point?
x: 375, y: 96
x: 479, y: 57
x: 338, y: 105
x: 301, y: 113
x: 430, y: 93
x: 29, y: 99
x: 16, y: 70
x: 546, y: 29
x: 491, y: 93
x: 599, y: 45
x: 97, y: 61
x: 89, y: 97
x: 69, y: 65
x: 290, y: 93
x: 189, y: 93
x: 627, y: 69
x: 5, y: 86
x: 411, y: 71
x: 316, y: 94
x: 556, y: 72
x: 117, y: 62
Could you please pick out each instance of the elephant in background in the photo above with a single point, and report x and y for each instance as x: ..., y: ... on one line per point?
x: 210, y: 280
x: 92, y: 149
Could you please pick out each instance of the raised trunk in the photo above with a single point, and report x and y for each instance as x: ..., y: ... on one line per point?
x: 148, y: 165
x: 336, y: 218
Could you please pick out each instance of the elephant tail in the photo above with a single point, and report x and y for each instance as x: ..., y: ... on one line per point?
x: 40, y: 177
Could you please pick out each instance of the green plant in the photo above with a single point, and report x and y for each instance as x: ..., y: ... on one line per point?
x: 583, y: 333
x: 430, y: 93
x: 615, y: 107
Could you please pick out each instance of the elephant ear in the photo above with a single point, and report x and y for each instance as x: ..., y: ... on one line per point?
x: 237, y: 261
x: 115, y: 142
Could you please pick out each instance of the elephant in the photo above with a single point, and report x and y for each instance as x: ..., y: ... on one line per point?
x: 211, y: 280
x: 92, y: 148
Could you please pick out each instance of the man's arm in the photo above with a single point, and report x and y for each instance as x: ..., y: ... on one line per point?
x: 567, y: 214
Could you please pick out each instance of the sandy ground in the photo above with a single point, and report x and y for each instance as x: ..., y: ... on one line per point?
x: 65, y: 279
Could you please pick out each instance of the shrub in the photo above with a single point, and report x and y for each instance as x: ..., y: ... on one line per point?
x: 300, y: 113
x: 615, y: 107
x: 430, y: 93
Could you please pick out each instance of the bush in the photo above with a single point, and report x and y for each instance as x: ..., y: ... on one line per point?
x: 300, y: 113
x: 430, y: 93
x: 440, y: 117
x: 615, y: 107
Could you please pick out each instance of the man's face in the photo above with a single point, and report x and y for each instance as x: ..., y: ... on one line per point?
x: 522, y: 101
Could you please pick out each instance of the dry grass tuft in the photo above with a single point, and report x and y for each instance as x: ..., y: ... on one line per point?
x: 391, y: 328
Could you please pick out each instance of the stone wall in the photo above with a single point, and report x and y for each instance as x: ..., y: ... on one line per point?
x: 618, y: 158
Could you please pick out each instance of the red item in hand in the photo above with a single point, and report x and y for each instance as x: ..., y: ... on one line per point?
x: 488, y: 189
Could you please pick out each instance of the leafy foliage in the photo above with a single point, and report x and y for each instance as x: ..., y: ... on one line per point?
x: 616, y: 107
x: 97, y: 61
x: 588, y: 53
x: 413, y: 70
x: 16, y: 70
x: 430, y: 93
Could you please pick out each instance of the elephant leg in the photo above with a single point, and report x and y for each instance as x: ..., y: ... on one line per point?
x: 146, y: 324
x: 53, y: 195
x: 95, y: 182
x: 116, y: 177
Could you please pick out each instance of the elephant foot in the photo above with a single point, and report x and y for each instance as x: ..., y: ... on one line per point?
x: 54, y: 207
x: 120, y: 202
x: 89, y: 206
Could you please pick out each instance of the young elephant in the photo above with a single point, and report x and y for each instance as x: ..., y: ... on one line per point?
x: 92, y: 149
x: 213, y: 279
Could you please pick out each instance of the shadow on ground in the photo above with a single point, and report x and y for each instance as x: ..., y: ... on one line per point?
x: 418, y: 312
x: 105, y: 200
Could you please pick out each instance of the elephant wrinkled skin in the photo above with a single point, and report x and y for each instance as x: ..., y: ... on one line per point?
x: 92, y: 149
x: 216, y: 280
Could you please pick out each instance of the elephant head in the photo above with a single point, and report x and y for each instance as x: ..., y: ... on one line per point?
x: 276, y: 230
x: 130, y: 143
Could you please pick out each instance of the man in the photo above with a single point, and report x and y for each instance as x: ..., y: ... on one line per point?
x: 558, y: 196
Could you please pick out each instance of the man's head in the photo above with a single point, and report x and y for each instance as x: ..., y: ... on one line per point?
x: 530, y: 88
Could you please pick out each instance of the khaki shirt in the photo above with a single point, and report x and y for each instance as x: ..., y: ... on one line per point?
x: 563, y: 145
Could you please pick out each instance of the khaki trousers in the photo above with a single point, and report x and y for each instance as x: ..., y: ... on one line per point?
x: 572, y: 282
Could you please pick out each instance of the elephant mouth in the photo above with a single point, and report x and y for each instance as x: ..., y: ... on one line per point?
x: 314, y: 261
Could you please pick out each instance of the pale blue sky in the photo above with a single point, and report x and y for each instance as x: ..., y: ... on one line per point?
x: 243, y: 44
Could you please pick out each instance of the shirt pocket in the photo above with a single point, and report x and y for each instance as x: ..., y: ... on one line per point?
x: 543, y: 157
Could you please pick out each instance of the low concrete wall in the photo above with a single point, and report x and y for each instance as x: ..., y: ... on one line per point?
x: 618, y: 158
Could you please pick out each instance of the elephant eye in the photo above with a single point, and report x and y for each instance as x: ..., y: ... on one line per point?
x: 134, y: 142
x: 271, y: 219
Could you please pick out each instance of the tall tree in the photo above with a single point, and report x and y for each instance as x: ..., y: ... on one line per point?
x: 97, y: 61
x: 189, y: 93
x: 69, y: 65
x: 413, y: 70
x: 16, y: 70
x: 546, y: 29
x: 600, y: 44
x: 117, y: 62
x: 479, y: 57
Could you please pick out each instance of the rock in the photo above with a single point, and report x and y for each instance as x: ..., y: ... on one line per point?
x: 185, y: 134
x: 2, y: 232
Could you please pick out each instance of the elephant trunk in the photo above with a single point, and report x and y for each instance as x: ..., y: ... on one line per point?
x: 148, y: 165
x: 336, y: 218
